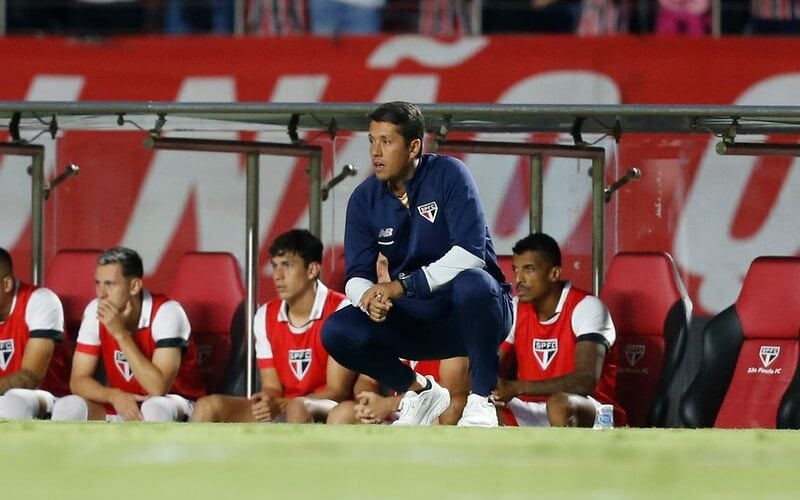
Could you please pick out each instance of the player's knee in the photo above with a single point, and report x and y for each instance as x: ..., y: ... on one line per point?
x: 296, y: 412
x: 338, y: 334
x: 343, y: 413
x: 70, y: 407
x: 472, y: 287
x: 561, y: 412
x: 206, y: 409
x: 159, y: 409
x: 19, y: 404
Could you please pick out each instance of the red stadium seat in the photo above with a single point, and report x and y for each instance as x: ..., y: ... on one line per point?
x: 651, y: 311
x: 748, y: 369
x: 209, y: 287
x: 71, y: 276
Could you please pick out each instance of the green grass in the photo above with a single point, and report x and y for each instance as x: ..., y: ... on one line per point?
x: 178, y: 461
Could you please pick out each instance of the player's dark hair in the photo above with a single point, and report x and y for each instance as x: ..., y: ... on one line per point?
x: 130, y: 261
x: 300, y: 242
x: 6, y: 264
x: 407, y: 116
x: 542, y: 243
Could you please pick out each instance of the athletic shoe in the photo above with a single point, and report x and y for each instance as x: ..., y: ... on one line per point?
x: 479, y: 412
x: 425, y: 406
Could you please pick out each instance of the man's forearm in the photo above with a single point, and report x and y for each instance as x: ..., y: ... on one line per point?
x: 146, y: 373
x: 21, y: 379
x: 573, y: 383
x: 91, y: 389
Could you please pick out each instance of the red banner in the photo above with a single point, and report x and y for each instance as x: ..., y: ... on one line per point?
x: 713, y: 214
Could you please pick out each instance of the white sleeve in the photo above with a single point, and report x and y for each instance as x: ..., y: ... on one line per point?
x: 449, y: 265
x: 170, y: 326
x: 355, y: 288
x: 510, y: 336
x: 44, y: 311
x: 263, y: 347
x: 89, y: 332
x: 592, y: 317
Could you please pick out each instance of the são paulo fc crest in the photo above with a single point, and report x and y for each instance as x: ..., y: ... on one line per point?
x: 768, y: 354
x: 299, y: 362
x: 545, y: 351
x: 6, y: 353
x: 122, y: 365
x: 633, y: 353
x: 428, y: 211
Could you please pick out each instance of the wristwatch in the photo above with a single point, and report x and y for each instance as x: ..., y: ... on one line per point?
x: 406, y: 283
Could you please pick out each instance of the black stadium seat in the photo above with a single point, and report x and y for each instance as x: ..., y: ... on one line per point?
x: 747, y: 375
x: 651, y: 310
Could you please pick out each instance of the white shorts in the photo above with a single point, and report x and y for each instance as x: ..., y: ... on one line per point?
x: 534, y: 413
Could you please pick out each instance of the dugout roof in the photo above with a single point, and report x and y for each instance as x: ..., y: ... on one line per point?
x: 615, y: 120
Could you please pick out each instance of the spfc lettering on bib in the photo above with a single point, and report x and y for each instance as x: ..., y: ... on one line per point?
x: 545, y: 351
x: 768, y: 354
x: 633, y: 353
x: 428, y: 211
x: 6, y: 353
x: 299, y: 362
x: 122, y: 365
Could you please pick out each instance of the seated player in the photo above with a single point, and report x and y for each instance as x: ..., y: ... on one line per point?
x: 33, y: 353
x: 561, y: 342
x: 144, y: 340
x: 372, y: 407
x: 299, y: 382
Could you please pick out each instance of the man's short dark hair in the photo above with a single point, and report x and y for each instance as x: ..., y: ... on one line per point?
x: 407, y: 116
x: 130, y: 261
x: 6, y: 264
x: 300, y: 242
x: 542, y: 243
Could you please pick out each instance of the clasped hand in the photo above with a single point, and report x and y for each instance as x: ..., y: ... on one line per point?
x: 377, y: 300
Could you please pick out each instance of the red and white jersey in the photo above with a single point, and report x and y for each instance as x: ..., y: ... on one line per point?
x: 35, y: 313
x: 162, y: 323
x: 546, y: 349
x: 296, y: 353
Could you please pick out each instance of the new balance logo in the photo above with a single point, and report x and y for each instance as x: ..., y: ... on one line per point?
x: 633, y: 353
x: 428, y: 211
x: 768, y: 354
x: 299, y: 362
x: 6, y: 353
x: 123, y: 366
x: 386, y: 232
x: 545, y: 351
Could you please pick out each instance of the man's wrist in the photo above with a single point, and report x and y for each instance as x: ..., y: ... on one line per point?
x: 407, y: 284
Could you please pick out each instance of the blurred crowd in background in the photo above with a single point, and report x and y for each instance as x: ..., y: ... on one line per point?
x: 430, y: 17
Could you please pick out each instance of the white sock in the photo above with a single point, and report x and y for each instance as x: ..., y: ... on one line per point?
x: 421, y: 380
x: 19, y: 404
x: 70, y: 407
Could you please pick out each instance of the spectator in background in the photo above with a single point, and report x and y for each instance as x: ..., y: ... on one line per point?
x: 33, y: 354
x: 603, y: 17
x: 683, y: 17
x: 182, y: 17
x: 144, y: 340
x: 774, y: 17
x: 346, y: 17
x: 449, y: 17
x: 277, y: 17
x: 530, y: 16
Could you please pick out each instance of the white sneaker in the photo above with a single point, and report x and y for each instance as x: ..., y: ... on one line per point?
x: 479, y: 412
x: 424, y: 407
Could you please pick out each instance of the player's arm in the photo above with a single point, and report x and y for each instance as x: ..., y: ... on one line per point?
x: 339, y: 383
x: 34, y: 366
x: 170, y: 330
x: 44, y: 317
x: 589, y: 357
x: 361, y: 249
x: 269, y: 402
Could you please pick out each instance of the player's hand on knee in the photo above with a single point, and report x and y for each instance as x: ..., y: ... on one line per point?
x: 262, y: 407
x: 127, y: 405
x: 505, y: 390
